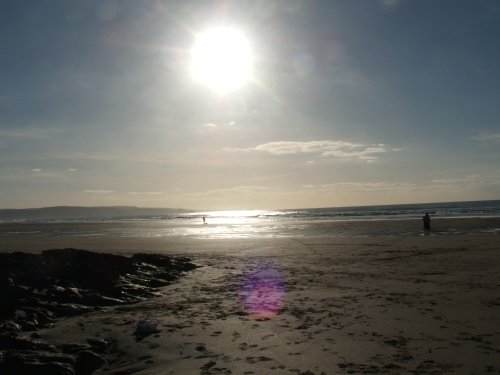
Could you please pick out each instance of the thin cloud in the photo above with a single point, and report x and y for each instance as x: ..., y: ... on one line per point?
x: 490, y: 137
x: 398, y: 186
x: 325, y: 148
x: 231, y: 190
x: 145, y: 192
x: 368, y: 186
x: 6, y: 99
x: 29, y: 133
x: 467, y: 181
x: 92, y: 191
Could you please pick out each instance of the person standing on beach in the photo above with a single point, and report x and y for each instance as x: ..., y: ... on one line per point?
x: 427, y: 222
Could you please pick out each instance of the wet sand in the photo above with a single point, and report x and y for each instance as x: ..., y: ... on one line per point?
x: 375, y: 297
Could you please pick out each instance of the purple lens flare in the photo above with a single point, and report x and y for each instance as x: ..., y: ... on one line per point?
x: 263, y: 292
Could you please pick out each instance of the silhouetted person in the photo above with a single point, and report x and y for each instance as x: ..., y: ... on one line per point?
x: 204, y: 220
x: 427, y: 222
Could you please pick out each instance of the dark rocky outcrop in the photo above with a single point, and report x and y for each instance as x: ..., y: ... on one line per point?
x: 39, y: 288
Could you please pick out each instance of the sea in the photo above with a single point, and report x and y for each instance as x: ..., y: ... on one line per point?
x: 250, y: 223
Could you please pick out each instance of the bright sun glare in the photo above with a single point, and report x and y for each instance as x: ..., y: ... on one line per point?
x: 222, y: 59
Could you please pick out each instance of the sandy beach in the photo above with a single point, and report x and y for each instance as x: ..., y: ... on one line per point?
x: 371, y: 298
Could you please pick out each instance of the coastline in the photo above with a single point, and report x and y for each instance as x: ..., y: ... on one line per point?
x: 363, y: 300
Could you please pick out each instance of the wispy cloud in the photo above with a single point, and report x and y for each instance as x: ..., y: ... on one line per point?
x: 368, y: 186
x: 325, y: 148
x: 219, y: 126
x: 467, y: 181
x: 97, y: 191
x: 142, y: 193
x: 232, y: 190
x: 6, y: 99
x: 13, y: 174
x: 487, y: 137
x: 399, y: 186
x: 34, y: 133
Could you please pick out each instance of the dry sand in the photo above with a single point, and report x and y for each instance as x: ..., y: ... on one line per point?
x: 396, y: 302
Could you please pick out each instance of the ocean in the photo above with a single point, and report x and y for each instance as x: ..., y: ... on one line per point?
x: 249, y: 223
x: 388, y: 212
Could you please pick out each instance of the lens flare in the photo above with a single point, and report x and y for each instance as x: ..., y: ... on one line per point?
x: 263, y: 292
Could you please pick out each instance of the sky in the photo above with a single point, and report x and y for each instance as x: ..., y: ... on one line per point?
x: 349, y: 102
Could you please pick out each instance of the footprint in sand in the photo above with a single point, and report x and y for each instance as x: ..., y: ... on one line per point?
x: 208, y: 365
x: 253, y: 360
x: 245, y: 346
x: 236, y: 335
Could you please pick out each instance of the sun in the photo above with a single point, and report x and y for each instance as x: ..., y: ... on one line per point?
x: 221, y: 58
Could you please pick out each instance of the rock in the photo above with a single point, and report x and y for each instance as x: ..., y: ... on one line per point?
x: 156, y: 282
x: 100, y: 300
x: 74, y: 348
x: 87, y: 362
x: 9, y: 325
x: 38, y: 288
x: 70, y: 309
x: 37, y: 368
x: 98, y: 345
x: 59, y: 293
x: 17, y: 358
x: 30, y: 325
x: 8, y: 341
x: 45, y: 317
x: 29, y: 362
x: 158, y: 260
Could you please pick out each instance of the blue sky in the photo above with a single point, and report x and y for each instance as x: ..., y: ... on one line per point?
x: 351, y: 102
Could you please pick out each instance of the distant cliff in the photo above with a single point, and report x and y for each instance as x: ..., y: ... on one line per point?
x: 75, y: 212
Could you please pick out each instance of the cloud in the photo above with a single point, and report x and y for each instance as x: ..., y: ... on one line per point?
x: 232, y: 190
x: 441, y: 184
x: 325, y: 148
x: 72, y: 170
x: 6, y: 99
x: 487, y: 137
x: 92, y: 191
x: 221, y: 126
x: 145, y: 192
x: 368, y: 186
x: 34, y: 132
x: 14, y: 173
x: 467, y: 181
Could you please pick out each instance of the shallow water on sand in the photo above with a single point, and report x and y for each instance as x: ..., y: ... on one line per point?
x: 237, y: 228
